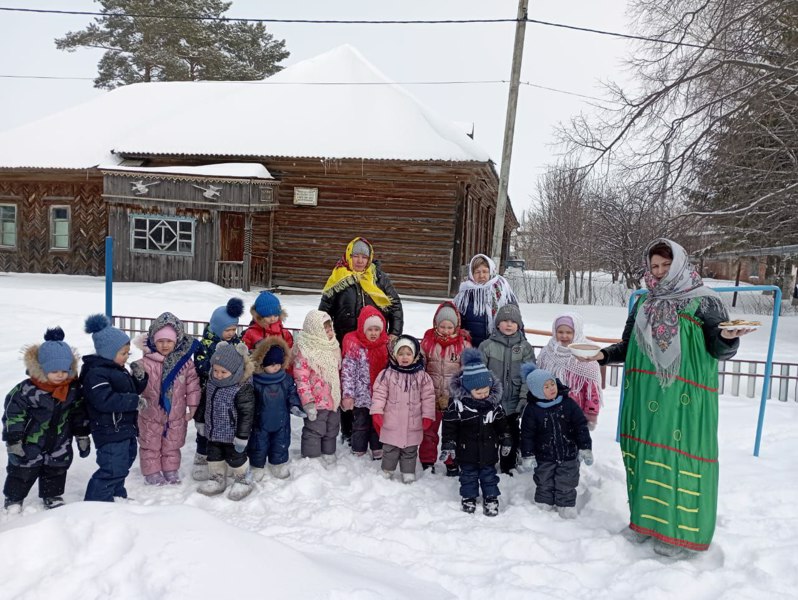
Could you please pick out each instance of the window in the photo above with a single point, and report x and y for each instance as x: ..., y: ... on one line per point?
x: 59, y: 227
x: 8, y: 225
x: 162, y: 235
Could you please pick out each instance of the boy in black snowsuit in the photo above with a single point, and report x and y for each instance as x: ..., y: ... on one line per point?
x: 42, y: 414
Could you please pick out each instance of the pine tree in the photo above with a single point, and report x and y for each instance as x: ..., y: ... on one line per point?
x: 165, y: 41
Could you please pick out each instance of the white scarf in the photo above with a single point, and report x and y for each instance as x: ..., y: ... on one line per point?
x: 321, y: 352
x: 577, y: 375
x: 486, y: 298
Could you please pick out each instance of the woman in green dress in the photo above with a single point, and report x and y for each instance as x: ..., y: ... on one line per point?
x: 669, y: 423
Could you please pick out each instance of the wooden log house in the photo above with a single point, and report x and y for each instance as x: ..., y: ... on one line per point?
x: 269, y: 207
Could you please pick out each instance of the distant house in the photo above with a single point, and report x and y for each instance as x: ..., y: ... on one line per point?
x: 249, y: 183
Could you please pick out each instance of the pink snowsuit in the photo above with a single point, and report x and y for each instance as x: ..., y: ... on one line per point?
x: 160, y: 436
x: 403, y: 404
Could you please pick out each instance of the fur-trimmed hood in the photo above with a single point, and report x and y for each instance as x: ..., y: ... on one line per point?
x: 256, y: 316
x: 263, y: 347
x: 458, y: 393
x: 30, y: 356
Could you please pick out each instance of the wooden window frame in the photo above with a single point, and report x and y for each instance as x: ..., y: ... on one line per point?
x: 3, y: 245
x: 53, y: 247
x: 161, y: 221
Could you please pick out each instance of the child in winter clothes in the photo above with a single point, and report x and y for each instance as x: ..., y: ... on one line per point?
x: 442, y: 347
x: 402, y: 407
x: 475, y: 433
x: 42, y: 413
x: 112, y: 398
x: 172, y: 395
x: 276, y: 400
x: 317, y: 362
x: 504, y: 351
x: 223, y: 327
x: 554, y: 438
x: 224, y: 417
x: 583, y: 379
x: 365, y: 355
x: 267, y: 320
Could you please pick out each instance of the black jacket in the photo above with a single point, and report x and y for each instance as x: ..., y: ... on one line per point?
x: 711, y: 314
x: 112, y: 399
x: 474, y: 428
x: 245, y: 409
x: 345, y: 305
x: 555, y: 433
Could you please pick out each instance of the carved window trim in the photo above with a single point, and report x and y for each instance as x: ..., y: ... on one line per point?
x: 162, y: 234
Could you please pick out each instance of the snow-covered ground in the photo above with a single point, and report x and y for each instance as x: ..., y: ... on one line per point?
x: 345, y: 532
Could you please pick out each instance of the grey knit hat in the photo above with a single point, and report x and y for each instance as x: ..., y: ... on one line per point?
x: 509, y: 312
x: 361, y: 248
x: 446, y: 313
x: 231, y: 357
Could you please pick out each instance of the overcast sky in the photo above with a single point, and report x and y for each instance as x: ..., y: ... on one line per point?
x: 557, y: 58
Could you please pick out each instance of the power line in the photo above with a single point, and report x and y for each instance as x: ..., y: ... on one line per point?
x: 620, y: 35
x: 352, y: 83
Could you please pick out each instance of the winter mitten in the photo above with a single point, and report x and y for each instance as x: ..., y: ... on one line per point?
x: 427, y: 423
x: 16, y: 449
x: 298, y: 412
x: 137, y: 370
x: 200, y: 429
x: 586, y: 456
x: 347, y: 403
x: 377, y: 421
x: 529, y: 463
x: 446, y: 454
x: 84, y: 446
x: 240, y: 445
x: 311, y: 410
x: 142, y: 403
x: 507, y: 446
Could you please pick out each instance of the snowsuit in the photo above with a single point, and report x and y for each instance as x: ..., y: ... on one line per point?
x: 275, y: 394
x: 670, y: 436
x: 45, y: 426
x: 554, y: 432
x: 112, y: 397
x: 162, y: 435
x: 504, y: 355
x: 202, y: 363
x: 404, y: 399
x: 475, y: 429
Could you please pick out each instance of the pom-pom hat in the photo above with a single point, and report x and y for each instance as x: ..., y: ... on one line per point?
x: 475, y: 374
x: 226, y: 316
x: 54, y: 354
x: 108, y: 340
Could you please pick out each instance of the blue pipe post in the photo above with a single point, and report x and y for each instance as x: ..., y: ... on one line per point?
x: 768, y: 363
x: 109, y: 277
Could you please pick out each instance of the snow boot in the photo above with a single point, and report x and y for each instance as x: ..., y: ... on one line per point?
x: 376, y: 455
x: 155, y: 479
x: 490, y: 506
x: 634, y: 536
x: 242, y: 486
x: 280, y: 471
x: 567, y: 512
x: 544, y: 506
x: 257, y: 473
x: 53, y: 502
x: 328, y: 459
x: 200, y: 470
x: 172, y: 477
x: 408, y: 477
x: 668, y: 550
x: 387, y: 474
x: 469, y: 505
x: 452, y: 470
x: 217, y: 479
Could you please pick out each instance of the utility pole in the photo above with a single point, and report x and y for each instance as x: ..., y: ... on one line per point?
x: 509, y: 129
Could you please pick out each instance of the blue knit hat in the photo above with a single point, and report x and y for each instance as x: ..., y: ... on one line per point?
x: 274, y: 356
x: 54, y: 354
x: 267, y: 305
x: 475, y: 374
x: 107, y: 340
x: 226, y: 316
x: 535, y: 381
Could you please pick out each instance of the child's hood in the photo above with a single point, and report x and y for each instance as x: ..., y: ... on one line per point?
x: 30, y: 357
x: 263, y: 347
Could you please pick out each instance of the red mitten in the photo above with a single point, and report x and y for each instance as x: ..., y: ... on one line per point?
x: 377, y: 422
x: 427, y: 423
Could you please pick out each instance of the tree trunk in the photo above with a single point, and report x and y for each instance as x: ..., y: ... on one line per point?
x: 567, y: 288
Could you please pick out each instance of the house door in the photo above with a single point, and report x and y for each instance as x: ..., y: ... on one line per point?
x: 232, y: 236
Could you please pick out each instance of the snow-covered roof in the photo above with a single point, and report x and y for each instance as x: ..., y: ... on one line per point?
x: 232, y: 170
x: 302, y: 111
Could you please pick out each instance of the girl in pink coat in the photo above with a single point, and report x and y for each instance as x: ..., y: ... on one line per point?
x: 402, y: 407
x: 172, y: 395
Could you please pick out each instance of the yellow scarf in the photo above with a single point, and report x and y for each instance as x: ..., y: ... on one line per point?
x: 343, y: 276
